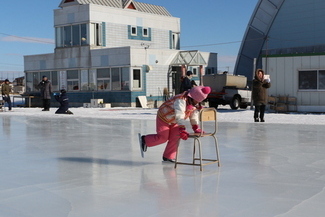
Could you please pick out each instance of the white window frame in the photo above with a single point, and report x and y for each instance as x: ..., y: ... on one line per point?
x: 116, y: 88
x: 175, y: 40
x: 108, y: 79
x: 74, y: 79
x: 143, y: 32
x: 140, y: 80
x: 136, y: 30
x: 317, y: 80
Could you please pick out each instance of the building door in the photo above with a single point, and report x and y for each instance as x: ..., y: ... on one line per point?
x: 176, y: 79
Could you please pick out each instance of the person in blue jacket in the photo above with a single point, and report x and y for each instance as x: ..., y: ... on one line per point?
x: 63, y: 99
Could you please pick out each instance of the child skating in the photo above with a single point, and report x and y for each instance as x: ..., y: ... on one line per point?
x: 170, y: 121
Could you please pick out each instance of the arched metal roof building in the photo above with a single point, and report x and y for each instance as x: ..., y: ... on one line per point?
x: 282, y: 27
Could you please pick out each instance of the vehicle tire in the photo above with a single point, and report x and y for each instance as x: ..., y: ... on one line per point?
x: 213, y: 104
x: 235, y: 102
x: 243, y: 106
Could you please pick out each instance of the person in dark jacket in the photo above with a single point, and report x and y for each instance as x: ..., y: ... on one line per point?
x: 260, y: 84
x: 63, y: 99
x: 186, y: 82
x: 45, y: 87
x: 6, y: 90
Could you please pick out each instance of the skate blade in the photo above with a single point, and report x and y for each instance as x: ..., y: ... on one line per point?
x: 141, y: 151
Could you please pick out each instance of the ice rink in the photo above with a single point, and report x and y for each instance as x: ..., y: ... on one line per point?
x: 70, y: 166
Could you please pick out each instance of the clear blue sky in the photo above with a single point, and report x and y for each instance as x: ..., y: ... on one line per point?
x: 213, y: 24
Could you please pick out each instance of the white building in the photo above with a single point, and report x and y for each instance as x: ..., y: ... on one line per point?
x: 115, y: 50
x: 286, y: 38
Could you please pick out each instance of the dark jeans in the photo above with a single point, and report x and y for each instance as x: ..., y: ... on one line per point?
x: 259, y: 109
x: 46, y: 104
x: 7, y: 100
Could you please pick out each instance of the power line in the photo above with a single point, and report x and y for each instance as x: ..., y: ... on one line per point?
x: 222, y: 43
x: 28, y: 39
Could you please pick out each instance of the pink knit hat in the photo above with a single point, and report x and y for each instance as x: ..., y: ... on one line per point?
x: 199, y: 93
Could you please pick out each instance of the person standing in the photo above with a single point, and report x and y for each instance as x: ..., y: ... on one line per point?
x: 170, y: 121
x: 186, y: 82
x: 45, y: 87
x: 260, y: 84
x: 6, y: 90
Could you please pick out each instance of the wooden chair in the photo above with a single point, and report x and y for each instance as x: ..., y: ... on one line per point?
x: 206, y: 114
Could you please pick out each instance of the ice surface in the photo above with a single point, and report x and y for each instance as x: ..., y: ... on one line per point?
x: 89, y: 164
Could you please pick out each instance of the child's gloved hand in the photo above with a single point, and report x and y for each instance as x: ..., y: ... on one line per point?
x: 183, y: 133
x: 196, y: 129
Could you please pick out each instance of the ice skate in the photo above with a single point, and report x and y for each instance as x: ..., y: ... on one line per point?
x: 143, y: 147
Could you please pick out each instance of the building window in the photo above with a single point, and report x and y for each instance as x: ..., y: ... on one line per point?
x: 34, y: 78
x: 92, y: 79
x: 308, y: 80
x: 133, y: 30
x: 73, y: 80
x: 84, y: 79
x: 195, y: 70
x: 312, y: 80
x: 175, y: 41
x: 136, y: 78
x: 36, y: 81
x: 116, y: 79
x: 139, y: 33
x: 76, y: 35
x: 97, y: 34
x: 73, y: 35
x: 55, y: 80
x: 125, y: 78
x: 103, y: 79
x: 52, y: 77
x: 210, y: 70
x: 84, y: 36
x: 113, y: 79
x: 29, y: 82
x: 67, y: 34
x: 145, y: 32
x: 59, y: 37
x: 321, y: 79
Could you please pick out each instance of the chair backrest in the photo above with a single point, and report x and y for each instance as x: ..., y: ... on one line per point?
x: 208, y: 114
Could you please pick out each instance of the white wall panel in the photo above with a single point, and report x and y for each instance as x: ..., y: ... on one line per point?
x: 280, y: 70
x: 289, y: 77
x: 314, y: 62
x: 306, y: 63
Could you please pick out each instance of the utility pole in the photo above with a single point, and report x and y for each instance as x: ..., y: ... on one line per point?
x: 254, y: 69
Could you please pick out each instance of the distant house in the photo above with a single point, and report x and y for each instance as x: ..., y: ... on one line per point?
x: 115, y: 50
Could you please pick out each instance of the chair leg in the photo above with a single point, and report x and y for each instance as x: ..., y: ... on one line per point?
x: 217, y: 149
x: 200, y: 154
x: 194, y: 151
x: 176, y: 159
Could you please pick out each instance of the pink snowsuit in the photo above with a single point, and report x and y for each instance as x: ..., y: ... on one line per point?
x: 171, y: 115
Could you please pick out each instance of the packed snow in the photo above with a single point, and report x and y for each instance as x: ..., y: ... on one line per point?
x: 225, y: 114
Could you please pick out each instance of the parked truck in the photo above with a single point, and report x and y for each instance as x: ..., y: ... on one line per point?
x: 228, y: 89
